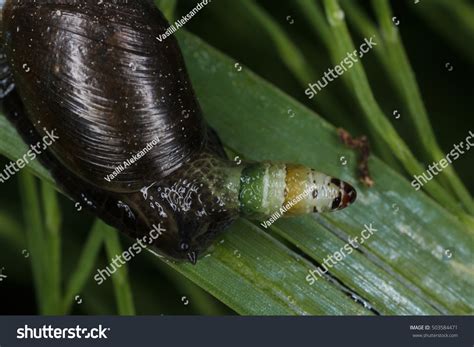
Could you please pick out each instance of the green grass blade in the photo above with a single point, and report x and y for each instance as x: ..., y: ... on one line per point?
x: 408, y: 88
x: 318, y: 22
x: 37, y: 245
x: 254, y: 274
x: 374, y: 113
x: 168, y: 7
x: 391, y: 53
x: 366, y: 28
x: 312, y: 11
x: 85, y: 265
x: 288, y: 51
x: 464, y: 12
x: 10, y: 229
x: 123, y: 292
x: 293, y: 58
x: 52, y: 216
x: 199, y: 299
x: 380, y: 290
x: 440, y: 18
x: 13, y: 149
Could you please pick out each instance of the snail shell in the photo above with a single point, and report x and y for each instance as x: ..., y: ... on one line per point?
x: 96, y: 74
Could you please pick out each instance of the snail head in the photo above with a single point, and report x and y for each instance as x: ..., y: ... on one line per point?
x: 194, y: 205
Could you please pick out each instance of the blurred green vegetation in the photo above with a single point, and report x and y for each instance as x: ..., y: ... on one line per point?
x: 289, y: 44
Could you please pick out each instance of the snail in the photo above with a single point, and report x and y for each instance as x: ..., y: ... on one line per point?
x: 133, y: 146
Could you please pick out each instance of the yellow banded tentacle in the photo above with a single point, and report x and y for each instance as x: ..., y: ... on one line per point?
x: 267, y: 188
x: 316, y: 191
x: 298, y: 188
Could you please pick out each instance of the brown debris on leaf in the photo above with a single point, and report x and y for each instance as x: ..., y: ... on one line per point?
x: 361, y: 144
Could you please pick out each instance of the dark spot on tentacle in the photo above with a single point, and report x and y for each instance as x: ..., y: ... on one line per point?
x: 337, y: 201
x: 315, y: 194
x: 336, y: 181
x: 352, y: 196
x: 349, y: 196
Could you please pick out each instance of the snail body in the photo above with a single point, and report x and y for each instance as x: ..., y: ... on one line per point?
x: 133, y: 145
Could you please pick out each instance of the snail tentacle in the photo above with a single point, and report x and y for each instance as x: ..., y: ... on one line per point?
x: 267, y: 188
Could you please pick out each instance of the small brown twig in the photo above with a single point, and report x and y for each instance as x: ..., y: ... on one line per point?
x: 361, y: 144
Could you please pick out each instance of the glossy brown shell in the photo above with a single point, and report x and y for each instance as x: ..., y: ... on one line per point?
x: 97, y: 73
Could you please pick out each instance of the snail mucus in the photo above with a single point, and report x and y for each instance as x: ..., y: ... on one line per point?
x: 95, y: 72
